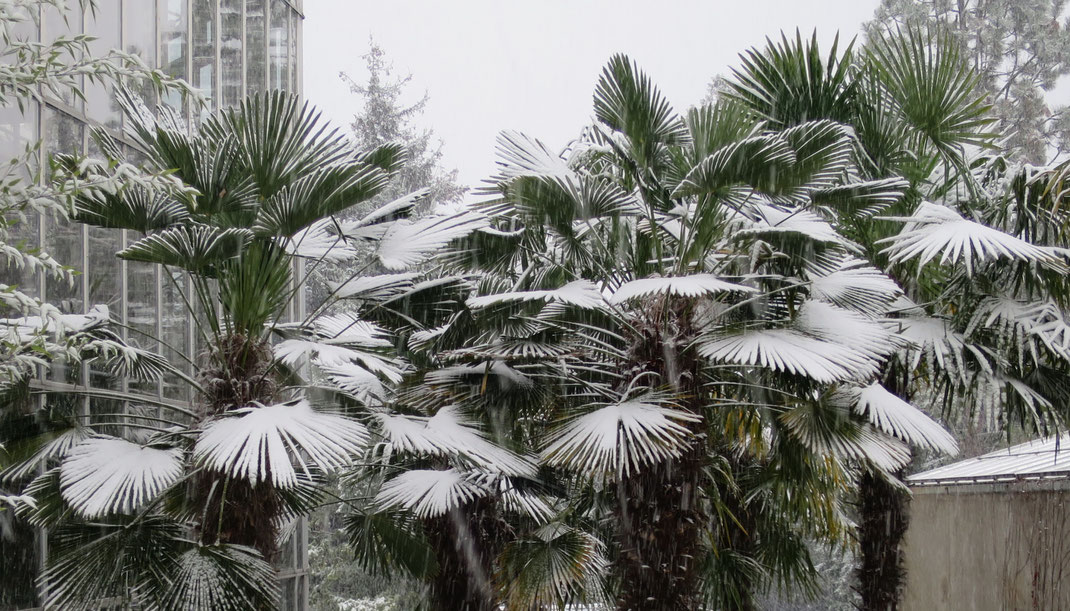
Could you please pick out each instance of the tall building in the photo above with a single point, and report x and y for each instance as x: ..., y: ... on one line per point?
x: 227, y: 49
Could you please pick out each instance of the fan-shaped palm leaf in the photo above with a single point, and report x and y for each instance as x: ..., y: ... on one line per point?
x: 427, y: 493
x: 938, y: 230
x: 896, y: 417
x: 102, y: 476
x: 620, y: 439
x: 789, y: 351
x: 580, y: 293
x: 262, y: 443
x: 696, y: 285
x: 408, y: 243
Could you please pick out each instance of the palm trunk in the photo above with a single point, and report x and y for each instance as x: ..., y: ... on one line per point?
x: 657, y: 511
x: 882, y: 525
x: 233, y: 510
x: 466, y: 542
x: 658, y: 532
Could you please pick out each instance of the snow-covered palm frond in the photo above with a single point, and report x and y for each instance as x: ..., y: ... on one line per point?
x: 620, y: 439
x: 221, y: 578
x: 790, y: 351
x: 526, y: 503
x: 429, y: 493
x: 374, y: 288
x: 448, y: 434
x: 580, y: 293
x: 865, y: 335
x: 828, y: 434
x: 696, y: 285
x: 1017, y: 321
x: 318, y: 241
x: 356, y: 381
x: 409, y: 243
x: 855, y: 285
x: 772, y: 220
x: 373, y: 224
x: 102, y: 476
x: 505, y: 374
x: 862, y: 199
x: 348, y: 328
x: 262, y: 443
x: 935, y: 230
x: 520, y: 155
x: 898, y: 418
x: 292, y: 351
x: 936, y: 340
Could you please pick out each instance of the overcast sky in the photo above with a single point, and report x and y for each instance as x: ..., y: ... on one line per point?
x: 531, y: 65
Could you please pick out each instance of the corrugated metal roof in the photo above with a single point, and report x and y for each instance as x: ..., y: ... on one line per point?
x: 1046, y: 458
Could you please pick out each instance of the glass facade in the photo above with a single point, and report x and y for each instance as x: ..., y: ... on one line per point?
x: 225, y: 48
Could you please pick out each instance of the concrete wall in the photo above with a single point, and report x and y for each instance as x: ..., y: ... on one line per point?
x: 989, y: 546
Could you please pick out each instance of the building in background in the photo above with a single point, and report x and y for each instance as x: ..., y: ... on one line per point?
x: 992, y: 532
x: 226, y: 48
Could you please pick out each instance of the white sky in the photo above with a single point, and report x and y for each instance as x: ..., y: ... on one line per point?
x: 532, y: 65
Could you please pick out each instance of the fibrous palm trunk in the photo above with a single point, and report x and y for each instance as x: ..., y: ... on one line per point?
x: 883, y: 523
x: 232, y: 510
x: 466, y: 541
x: 657, y: 510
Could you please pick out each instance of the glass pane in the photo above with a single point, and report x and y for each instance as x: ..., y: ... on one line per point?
x: 294, y: 59
x: 204, y: 31
x: 104, y: 24
x: 139, y: 37
x: 17, y: 131
x: 175, y: 330
x: 256, y: 47
x: 280, y: 45
x: 230, y: 50
x: 63, y: 240
x: 173, y: 46
x: 141, y: 314
x: 56, y: 23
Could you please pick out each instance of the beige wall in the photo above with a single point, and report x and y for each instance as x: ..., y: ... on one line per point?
x: 981, y: 547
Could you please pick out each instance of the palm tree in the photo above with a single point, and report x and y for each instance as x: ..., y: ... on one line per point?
x: 952, y: 241
x: 713, y: 357
x: 182, y: 506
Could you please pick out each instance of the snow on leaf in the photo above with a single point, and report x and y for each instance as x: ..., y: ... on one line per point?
x: 936, y: 230
x: 292, y: 351
x: 789, y: 351
x: 263, y: 442
x: 387, y: 212
x: 774, y: 219
x: 504, y: 373
x: 102, y: 475
x: 935, y: 339
x: 855, y: 285
x: 348, y: 328
x: 317, y: 242
x: 59, y: 323
x: 620, y: 438
x: 695, y: 285
x: 861, y: 443
x: 447, y: 434
x: 373, y: 288
x: 356, y: 381
x: 408, y: 243
x: 428, y: 493
x: 860, y: 333
x: 524, y: 156
x: 580, y: 293
x: 898, y: 418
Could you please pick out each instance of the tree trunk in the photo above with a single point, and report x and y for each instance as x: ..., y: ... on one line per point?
x: 882, y: 525
x: 466, y: 542
x: 658, y: 532
x: 659, y: 523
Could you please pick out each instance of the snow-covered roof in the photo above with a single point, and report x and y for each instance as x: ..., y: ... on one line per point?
x: 1040, y: 459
